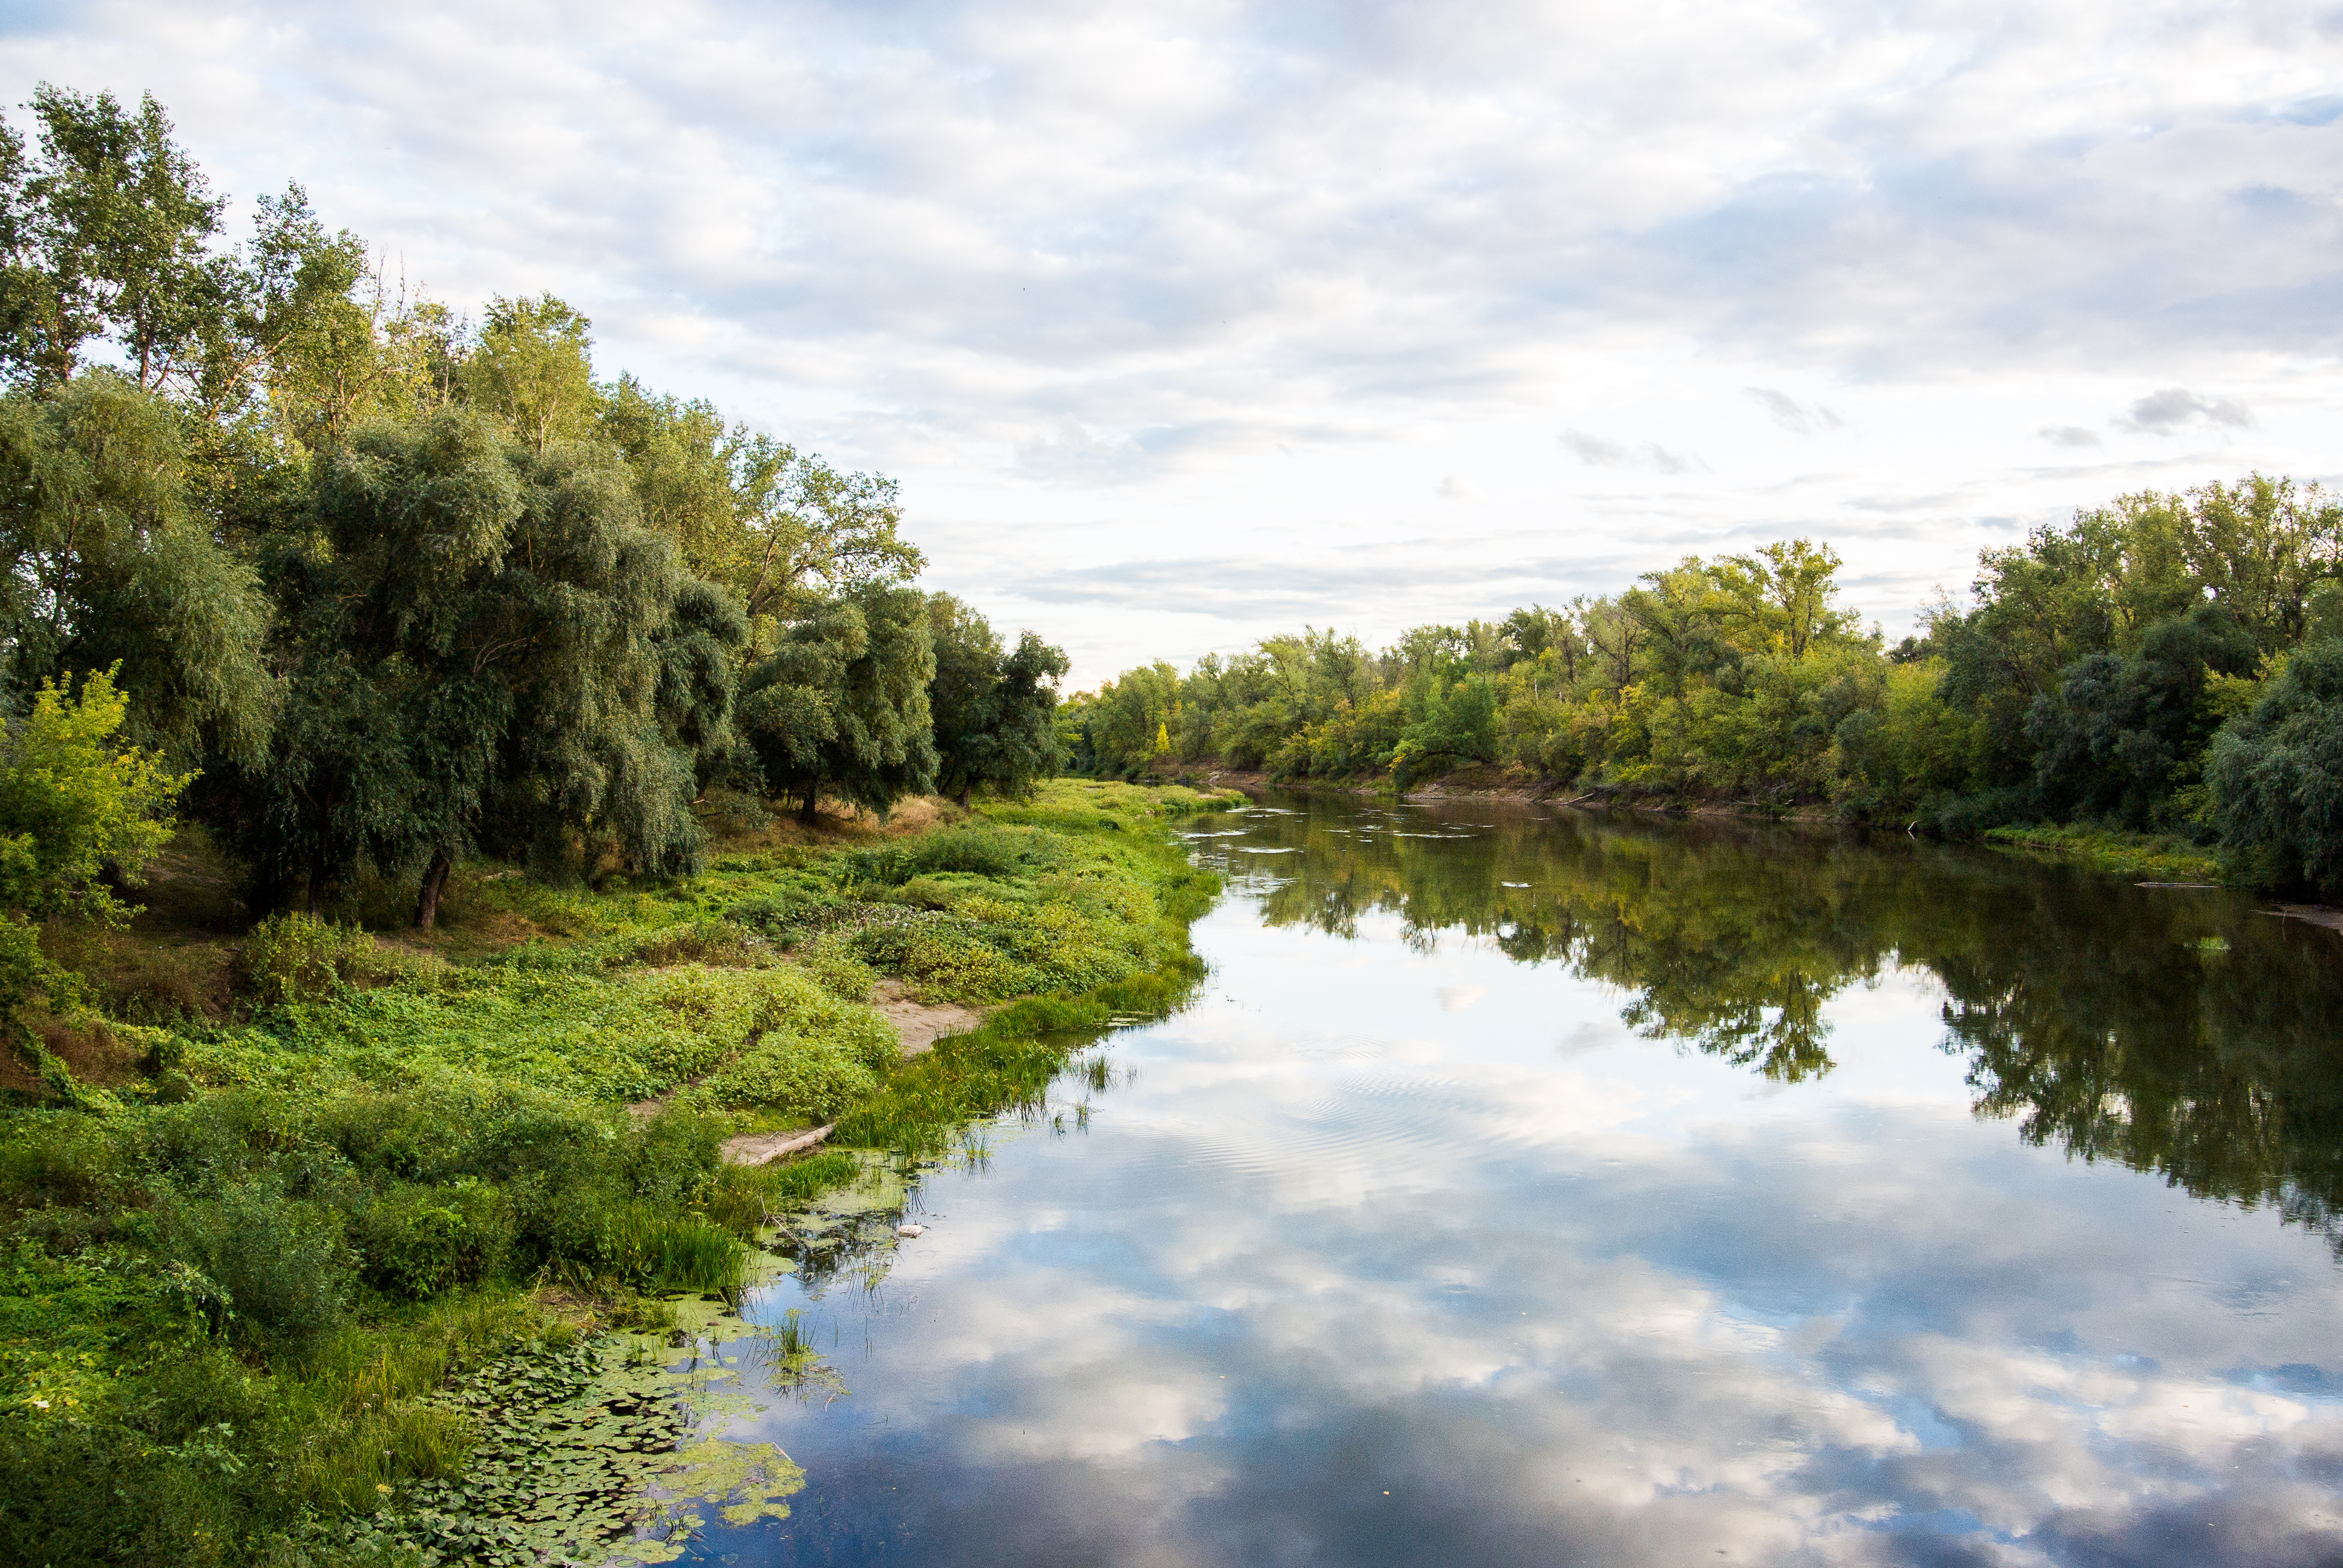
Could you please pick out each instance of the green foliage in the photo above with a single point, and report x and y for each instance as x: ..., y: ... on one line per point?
x: 533, y: 368
x: 420, y: 1241
x: 994, y: 712
x: 493, y: 648
x: 2276, y: 776
x: 71, y: 805
x: 293, y: 956
x: 275, y: 1264
x: 105, y: 569
x: 841, y: 704
x: 779, y: 529
x: 119, y: 218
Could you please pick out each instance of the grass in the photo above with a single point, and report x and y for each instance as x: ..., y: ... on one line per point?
x: 2160, y: 858
x: 305, y: 1184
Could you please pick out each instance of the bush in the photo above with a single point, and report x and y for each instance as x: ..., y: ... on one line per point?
x: 982, y: 851
x: 280, y: 1261
x: 57, y: 1158
x: 829, y: 962
x: 293, y: 956
x: 418, y: 1242
x: 802, y: 1078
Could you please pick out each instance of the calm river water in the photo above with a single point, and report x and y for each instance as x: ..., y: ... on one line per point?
x: 1529, y: 1187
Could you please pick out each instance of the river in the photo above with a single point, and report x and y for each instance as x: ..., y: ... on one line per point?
x: 1527, y: 1187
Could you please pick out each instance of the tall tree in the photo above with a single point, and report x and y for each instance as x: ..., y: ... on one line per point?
x: 533, y: 368
x: 109, y: 229
x: 993, y: 710
x: 779, y: 528
x: 492, y: 650
x: 842, y: 703
x: 100, y: 564
x: 2277, y: 776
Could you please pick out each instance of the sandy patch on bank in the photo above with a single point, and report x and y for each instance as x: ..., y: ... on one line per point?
x: 919, y: 1024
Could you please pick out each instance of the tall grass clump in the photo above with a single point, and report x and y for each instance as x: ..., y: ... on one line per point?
x: 652, y: 1250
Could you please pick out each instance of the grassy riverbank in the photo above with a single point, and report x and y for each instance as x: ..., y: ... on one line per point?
x: 2145, y: 856
x: 299, y: 1224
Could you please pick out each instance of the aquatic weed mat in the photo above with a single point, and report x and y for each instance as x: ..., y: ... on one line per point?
x: 611, y: 1450
x: 588, y: 1455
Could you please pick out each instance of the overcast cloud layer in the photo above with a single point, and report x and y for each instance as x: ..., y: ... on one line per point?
x: 1182, y: 324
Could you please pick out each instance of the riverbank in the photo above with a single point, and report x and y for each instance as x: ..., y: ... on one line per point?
x: 279, y: 1197
x: 2156, y: 858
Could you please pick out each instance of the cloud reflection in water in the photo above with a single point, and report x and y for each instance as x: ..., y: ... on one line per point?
x: 1350, y: 1277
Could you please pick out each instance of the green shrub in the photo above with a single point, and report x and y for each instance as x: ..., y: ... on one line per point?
x: 418, y: 1242
x: 293, y: 956
x: 696, y: 941
x: 671, y: 1157
x: 829, y: 962
x: 280, y: 1262
x: 985, y: 851
x: 57, y: 1158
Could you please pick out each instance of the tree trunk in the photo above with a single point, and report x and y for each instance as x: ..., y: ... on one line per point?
x: 435, y: 882
x: 318, y: 884
x: 813, y: 794
x: 960, y: 799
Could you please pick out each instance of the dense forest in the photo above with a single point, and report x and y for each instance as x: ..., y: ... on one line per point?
x: 364, y: 587
x: 2167, y: 663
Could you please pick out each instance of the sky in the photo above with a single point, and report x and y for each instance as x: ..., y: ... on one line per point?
x: 1181, y: 325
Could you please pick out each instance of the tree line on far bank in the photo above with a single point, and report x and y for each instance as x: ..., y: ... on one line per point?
x: 366, y: 588
x: 2167, y: 663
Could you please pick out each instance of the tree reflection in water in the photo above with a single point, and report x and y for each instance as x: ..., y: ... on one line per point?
x: 2179, y: 1031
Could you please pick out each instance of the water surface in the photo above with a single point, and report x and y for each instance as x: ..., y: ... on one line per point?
x: 1529, y: 1187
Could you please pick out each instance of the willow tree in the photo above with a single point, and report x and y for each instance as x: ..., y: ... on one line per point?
x: 783, y: 530
x: 993, y: 709
x: 101, y: 564
x: 841, y: 704
x: 491, y: 649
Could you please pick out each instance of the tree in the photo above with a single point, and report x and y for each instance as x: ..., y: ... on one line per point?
x: 781, y: 529
x: 2120, y: 734
x: 842, y: 703
x: 492, y: 650
x: 105, y: 567
x: 993, y: 712
x: 108, y: 234
x: 2276, y: 773
x: 533, y: 368
x: 74, y: 807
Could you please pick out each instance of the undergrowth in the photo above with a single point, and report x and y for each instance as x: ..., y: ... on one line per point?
x: 237, y: 1287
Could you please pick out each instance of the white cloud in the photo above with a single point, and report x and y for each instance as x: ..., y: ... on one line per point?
x: 1608, y: 453
x: 2175, y: 407
x: 1800, y: 418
